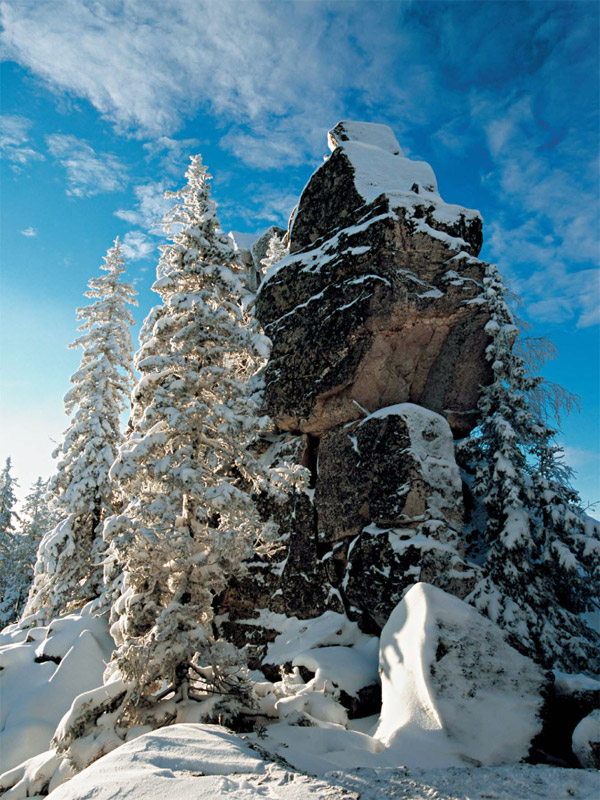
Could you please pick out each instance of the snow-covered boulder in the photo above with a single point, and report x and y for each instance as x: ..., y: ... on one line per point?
x: 586, y: 740
x: 389, y: 498
x: 379, y: 300
x: 571, y: 698
x: 453, y: 690
x: 251, y: 249
x: 41, y: 671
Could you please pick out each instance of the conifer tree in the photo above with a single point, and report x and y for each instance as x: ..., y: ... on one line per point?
x: 37, y: 517
x: 9, y: 546
x: 541, y: 566
x: 68, y: 571
x: 275, y: 252
x: 187, y: 470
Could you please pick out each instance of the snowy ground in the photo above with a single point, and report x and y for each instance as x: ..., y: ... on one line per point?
x: 308, y: 747
x: 201, y: 762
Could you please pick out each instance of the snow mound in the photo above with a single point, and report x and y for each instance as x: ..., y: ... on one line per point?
x: 203, y: 762
x: 42, y: 671
x: 586, y: 740
x: 350, y: 668
x: 380, y: 168
x: 371, y: 133
x: 299, y: 635
x: 448, y: 678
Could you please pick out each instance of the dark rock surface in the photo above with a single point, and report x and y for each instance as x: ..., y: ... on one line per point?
x: 389, y: 507
x: 378, y: 302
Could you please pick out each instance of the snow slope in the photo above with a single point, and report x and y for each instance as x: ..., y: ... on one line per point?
x: 42, y: 671
x: 201, y: 762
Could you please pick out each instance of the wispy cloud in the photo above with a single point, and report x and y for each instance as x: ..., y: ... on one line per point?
x: 173, y: 155
x: 15, y: 145
x: 29, y: 232
x: 150, y: 207
x: 88, y: 172
x: 274, y: 76
x: 137, y: 245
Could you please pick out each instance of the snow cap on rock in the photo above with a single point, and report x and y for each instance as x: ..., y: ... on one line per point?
x: 452, y: 688
x: 380, y: 167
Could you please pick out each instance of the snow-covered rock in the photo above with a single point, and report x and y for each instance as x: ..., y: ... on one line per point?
x: 454, y: 691
x: 42, y: 671
x: 378, y: 301
x: 389, y: 495
x: 586, y: 740
x: 571, y: 699
x: 251, y: 249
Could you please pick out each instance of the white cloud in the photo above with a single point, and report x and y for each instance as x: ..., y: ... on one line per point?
x: 29, y: 232
x: 14, y: 141
x: 148, y: 65
x: 546, y: 233
x: 88, y: 172
x: 136, y: 245
x: 151, y: 207
x: 173, y: 154
x: 276, y: 75
x: 580, y: 457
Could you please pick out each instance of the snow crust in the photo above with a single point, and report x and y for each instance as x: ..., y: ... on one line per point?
x: 299, y: 635
x: 190, y: 762
x: 243, y: 241
x: 350, y: 668
x: 373, y: 133
x: 36, y: 694
x: 567, y: 684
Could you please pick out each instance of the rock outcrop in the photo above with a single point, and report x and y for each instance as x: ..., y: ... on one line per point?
x: 377, y: 321
x: 379, y: 300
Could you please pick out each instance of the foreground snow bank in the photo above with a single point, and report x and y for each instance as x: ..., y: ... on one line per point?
x: 199, y: 762
x: 42, y: 670
x: 206, y: 762
x: 453, y: 690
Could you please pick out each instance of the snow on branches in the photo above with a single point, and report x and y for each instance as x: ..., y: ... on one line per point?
x: 541, y: 565
x: 68, y: 571
x: 188, y: 470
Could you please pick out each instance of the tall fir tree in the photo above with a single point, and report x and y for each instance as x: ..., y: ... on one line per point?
x: 540, y: 561
x: 37, y: 517
x: 9, y: 547
x: 187, y: 470
x: 68, y: 571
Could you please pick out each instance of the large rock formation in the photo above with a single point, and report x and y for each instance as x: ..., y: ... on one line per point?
x: 378, y: 302
x: 377, y: 322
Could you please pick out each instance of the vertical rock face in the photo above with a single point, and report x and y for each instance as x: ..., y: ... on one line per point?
x: 378, y: 302
x: 389, y: 507
x: 377, y: 322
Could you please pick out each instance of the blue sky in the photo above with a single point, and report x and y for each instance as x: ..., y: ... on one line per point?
x: 104, y: 100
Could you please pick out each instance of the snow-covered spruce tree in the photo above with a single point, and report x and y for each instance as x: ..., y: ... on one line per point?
x: 68, y: 571
x: 187, y: 472
x: 275, y: 252
x: 540, y: 566
x: 37, y: 517
x: 9, y: 547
